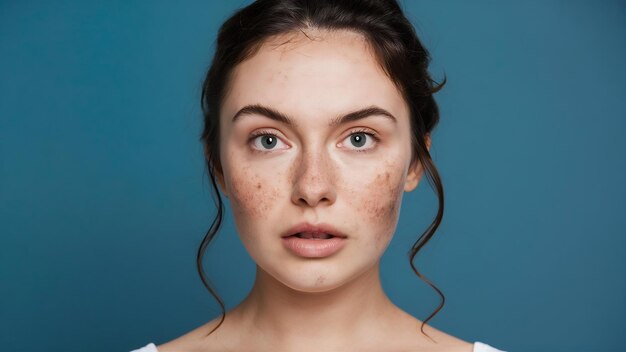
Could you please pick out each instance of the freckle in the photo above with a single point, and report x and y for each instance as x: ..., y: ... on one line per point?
x: 269, y: 199
x: 258, y: 185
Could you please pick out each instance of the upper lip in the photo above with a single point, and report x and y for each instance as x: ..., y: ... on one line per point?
x: 307, y: 227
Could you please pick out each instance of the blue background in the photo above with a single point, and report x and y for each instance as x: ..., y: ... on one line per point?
x: 104, y: 197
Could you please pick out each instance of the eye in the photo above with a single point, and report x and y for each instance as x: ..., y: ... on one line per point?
x: 359, y: 138
x: 264, y: 141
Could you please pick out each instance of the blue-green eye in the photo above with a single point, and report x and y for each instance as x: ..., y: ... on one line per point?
x: 269, y: 141
x: 357, y: 139
x: 360, y: 138
x: 264, y: 141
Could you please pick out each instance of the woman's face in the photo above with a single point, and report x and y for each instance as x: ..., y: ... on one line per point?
x: 314, y: 171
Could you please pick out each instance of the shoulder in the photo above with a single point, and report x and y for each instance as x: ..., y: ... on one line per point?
x: 200, y: 339
x: 406, y: 333
x: 406, y: 336
x: 442, y: 341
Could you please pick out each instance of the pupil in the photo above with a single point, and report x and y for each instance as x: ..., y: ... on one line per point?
x: 271, y: 143
x: 358, y: 138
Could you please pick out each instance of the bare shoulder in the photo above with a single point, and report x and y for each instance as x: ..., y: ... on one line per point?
x: 199, y: 339
x: 439, y: 341
x: 404, y: 335
x: 447, y: 342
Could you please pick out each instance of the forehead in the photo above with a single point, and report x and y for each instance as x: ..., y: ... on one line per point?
x: 313, y: 76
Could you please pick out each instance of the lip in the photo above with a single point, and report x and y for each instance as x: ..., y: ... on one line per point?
x: 313, y: 248
x: 307, y: 227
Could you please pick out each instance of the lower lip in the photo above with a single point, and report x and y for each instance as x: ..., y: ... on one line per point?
x: 313, y: 248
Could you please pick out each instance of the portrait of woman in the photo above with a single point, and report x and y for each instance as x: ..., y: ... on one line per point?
x: 317, y: 118
x: 312, y: 175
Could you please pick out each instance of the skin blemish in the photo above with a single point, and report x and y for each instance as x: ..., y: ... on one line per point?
x: 316, y: 180
x: 249, y: 197
x: 382, y: 205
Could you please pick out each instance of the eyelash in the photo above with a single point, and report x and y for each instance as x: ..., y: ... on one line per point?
x: 368, y: 132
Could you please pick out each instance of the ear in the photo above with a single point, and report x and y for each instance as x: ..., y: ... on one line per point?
x: 217, y: 173
x: 415, y: 171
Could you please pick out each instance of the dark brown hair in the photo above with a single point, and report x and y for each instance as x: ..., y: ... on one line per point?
x: 397, y: 49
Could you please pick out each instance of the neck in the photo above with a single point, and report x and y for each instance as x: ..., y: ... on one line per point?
x: 286, y: 317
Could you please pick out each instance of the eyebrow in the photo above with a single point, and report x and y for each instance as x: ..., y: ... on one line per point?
x: 273, y: 114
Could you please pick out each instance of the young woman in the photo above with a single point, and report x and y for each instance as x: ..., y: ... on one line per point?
x: 318, y: 117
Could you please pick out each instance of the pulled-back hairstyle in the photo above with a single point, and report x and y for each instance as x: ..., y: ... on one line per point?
x: 397, y: 49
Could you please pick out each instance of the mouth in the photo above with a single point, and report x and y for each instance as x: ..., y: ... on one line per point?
x: 317, y: 232
x: 313, y: 235
x: 314, y: 243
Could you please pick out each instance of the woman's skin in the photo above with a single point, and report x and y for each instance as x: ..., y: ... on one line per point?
x: 315, y: 173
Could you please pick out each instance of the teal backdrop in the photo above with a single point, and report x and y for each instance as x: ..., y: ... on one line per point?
x: 104, y: 197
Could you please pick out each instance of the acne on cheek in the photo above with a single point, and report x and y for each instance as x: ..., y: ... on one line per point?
x: 251, y: 196
x: 382, y: 201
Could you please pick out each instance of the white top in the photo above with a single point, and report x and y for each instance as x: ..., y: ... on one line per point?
x: 478, y: 347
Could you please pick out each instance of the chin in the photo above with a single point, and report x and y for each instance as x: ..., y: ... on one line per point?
x: 316, y: 285
x: 313, y: 277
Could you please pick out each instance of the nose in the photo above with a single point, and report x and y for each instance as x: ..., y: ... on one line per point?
x: 314, y: 180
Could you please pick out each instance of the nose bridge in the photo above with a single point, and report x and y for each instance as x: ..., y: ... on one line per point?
x: 314, y: 177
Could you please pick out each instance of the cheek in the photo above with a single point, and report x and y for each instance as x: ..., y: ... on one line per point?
x: 380, y: 200
x: 251, y: 195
